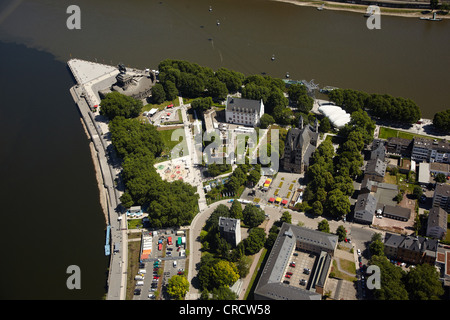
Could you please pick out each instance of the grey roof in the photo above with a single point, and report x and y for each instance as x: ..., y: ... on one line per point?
x: 366, y: 201
x: 392, y: 240
x: 442, y: 189
x: 378, y: 150
x: 243, y: 105
x: 397, y: 211
x: 418, y: 244
x: 270, y: 284
x: 228, y: 224
x: 437, y: 217
x: 376, y: 166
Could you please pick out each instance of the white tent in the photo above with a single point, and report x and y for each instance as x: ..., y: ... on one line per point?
x: 337, y: 116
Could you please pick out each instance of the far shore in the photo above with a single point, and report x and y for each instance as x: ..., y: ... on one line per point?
x: 350, y: 7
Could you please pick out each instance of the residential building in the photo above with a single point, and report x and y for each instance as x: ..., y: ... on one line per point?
x: 396, y: 212
x: 230, y: 230
x: 437, y: 167
x: 424, y: 173
x: 365, y: 208
x: 410, y: 249
x: 375, y: 170
x: 399, y: 146
x: 244, y: 111
x: 378, y: 150
x: 430, y: 150
x: 441, y: 197
x: 300, y: 144
x: 437, y: 223
x: 293, y: 238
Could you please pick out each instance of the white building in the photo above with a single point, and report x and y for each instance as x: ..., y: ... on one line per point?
x: 244, y: 111
x: 337, y: 116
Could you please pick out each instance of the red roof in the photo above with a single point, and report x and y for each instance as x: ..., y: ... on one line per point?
x: 267, y: 182
x: 284, y: 201
x: 271, y: 199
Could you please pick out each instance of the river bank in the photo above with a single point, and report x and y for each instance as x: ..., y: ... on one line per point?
x: 350, y: 7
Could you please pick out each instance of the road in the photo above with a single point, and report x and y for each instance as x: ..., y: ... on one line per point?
x: 89, y: 74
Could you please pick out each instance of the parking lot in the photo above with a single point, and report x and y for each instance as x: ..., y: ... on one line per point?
x: 166, y: 260
x: 295, y: 269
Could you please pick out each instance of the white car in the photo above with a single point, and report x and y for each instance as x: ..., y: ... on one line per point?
x: 359, y: 252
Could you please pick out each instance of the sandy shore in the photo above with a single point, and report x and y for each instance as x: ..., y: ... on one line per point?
x: 338, y: 6
x: 98, y: 175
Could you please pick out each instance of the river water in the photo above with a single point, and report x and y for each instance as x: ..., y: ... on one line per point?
x: 51, y: 215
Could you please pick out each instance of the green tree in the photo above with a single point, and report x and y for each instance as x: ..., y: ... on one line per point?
x: 236, y: 210
x: 266, y: 120
x: 317, y: 208
x: 255, y: 241
x: 116, y: 104
x: 252, y: 215
x: 323, y: 226
x: 422, y: 283
x: 392, y: 286
x: 177, y: 287
x: 440, y: 178
x: 376, y: 246
x: 224, y: 273
x: 337, y: 203
x: 286, y: 217
x: 216, y: 89
x: 126, y: 200
x: 158, y: 94
x: 417, y: 192
x: 171, y: 90
x: 341, y: 233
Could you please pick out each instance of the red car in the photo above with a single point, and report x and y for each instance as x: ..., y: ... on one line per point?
x: 289, y: 273
x: 292, y: 264
x: 287, y: 276
x: 180, y: 272
x: 156, y: 277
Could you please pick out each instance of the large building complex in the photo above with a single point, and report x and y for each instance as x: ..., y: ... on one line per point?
x: 307, y: 255
x: 300, y: 144
x: 244, y: 111
x: 410, y: 249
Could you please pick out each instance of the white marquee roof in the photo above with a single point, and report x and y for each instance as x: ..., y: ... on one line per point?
x: 337, y: 116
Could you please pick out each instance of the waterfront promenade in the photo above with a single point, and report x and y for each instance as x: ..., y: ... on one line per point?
x: 88, y: 76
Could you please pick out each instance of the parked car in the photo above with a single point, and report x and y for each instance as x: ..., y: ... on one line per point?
x: 137, y: 292
x: 303, y: 282
x: 287, y: 276
x: 289, y: 273
x: 292, y: 264
x: 359, y: 252
x: 306, y: 271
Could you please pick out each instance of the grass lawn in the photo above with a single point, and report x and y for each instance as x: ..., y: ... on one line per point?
x: 166, y: 136
x: 386, y: 133
x: 346, y: 265
x: 134, y: 248
x: 148, y: 107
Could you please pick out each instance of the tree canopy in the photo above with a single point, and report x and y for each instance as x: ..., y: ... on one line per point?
x: 116, y: 104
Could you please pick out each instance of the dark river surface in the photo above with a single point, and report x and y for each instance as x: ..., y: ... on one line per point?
x: 51, y: 216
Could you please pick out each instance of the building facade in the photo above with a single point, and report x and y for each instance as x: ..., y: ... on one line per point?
x: 300, y: 144
x: 230, y: 230
x: 244, y: 111
x: 437, y: 223
x: 430, y: 150
x: 410, y: 249
x: 441, y: 197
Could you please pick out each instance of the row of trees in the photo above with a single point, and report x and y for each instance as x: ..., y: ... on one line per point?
x: 420, y: 283
x: 192, y: 80
x: 329, y: 174
x: 137, y: 144
x: 441, y: 120
x: 221, y: 265
x: 379, y: 105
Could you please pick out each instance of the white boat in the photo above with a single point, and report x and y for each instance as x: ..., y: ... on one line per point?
x: 218, y: 23
x: 321, y: 7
